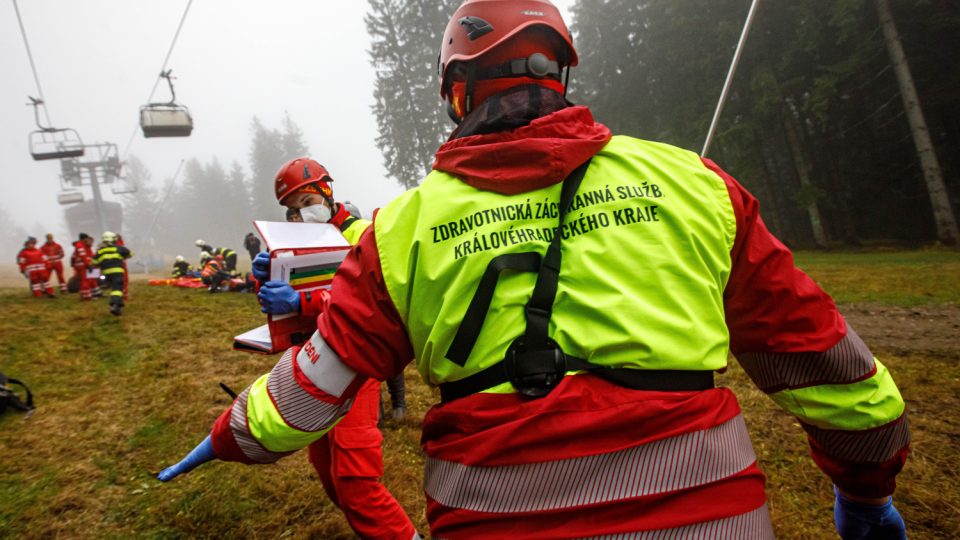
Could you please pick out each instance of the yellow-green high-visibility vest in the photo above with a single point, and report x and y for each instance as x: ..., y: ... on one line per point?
x: 646, y: 256
x: 354, y: 228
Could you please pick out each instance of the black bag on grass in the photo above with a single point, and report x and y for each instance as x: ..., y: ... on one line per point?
x: 9, y: 398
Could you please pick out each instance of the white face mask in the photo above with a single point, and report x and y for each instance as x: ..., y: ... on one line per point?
x: 317, y: 213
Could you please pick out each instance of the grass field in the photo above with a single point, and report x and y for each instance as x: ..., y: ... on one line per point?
x: 119, y: 398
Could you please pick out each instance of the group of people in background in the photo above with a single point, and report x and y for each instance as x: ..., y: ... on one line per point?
x: 38, y: 263
x: 107, y: 262
x: 218, y: 267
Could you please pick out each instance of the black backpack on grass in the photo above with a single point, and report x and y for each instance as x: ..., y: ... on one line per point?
x: 8, y: 398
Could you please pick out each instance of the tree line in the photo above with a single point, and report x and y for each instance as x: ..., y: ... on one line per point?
x: 817, y: 125
x: 210, y: 200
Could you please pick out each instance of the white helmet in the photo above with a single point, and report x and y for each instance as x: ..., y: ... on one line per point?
x: 205, y: 255
x: 200, y: 243
x: 179, y: 258
x: 352, y: 208
x: 109, y: 237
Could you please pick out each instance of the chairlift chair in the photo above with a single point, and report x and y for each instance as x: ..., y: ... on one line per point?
x: 123, y: 187
x: 166, y: 119
x: 52, y: 143
x: 70, y: 174
x: 69, y: 197
x: 112, y: 169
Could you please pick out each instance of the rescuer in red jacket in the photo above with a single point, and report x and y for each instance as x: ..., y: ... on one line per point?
x: 572, y: 294
x: 35, y: 266
x: 54, y: 253
x: 349, y: 459
x: 82, y: 261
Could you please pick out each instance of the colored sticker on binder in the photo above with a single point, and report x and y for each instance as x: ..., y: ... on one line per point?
x: 311, y: 277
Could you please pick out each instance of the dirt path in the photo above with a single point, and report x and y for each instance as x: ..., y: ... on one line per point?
x: 927, y: 331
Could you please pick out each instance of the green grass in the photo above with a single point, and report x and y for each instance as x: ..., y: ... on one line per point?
x: 906, y: 279
x: 120, y: 398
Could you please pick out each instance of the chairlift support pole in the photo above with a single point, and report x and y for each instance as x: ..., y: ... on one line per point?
x: 101, y: 169
x: 97, y: 199
x: 729, y: 82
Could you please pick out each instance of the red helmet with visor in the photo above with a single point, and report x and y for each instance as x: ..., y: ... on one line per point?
x: 478, y: 26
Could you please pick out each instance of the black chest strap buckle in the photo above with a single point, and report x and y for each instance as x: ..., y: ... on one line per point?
x: 534, y: 373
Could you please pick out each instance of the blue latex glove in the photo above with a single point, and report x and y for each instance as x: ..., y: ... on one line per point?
x: 198, y: 456
x: 278, y: 297
x: 861, y: 521
x: 261, y: 266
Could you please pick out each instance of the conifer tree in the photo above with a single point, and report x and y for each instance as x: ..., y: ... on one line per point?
x: 405, y: 37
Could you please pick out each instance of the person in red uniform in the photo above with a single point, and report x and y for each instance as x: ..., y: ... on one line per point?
x: 572, y: 294
x: 349, y: 459
x: 35, y: 266
x: 54, y: 253
x: 82, y: 260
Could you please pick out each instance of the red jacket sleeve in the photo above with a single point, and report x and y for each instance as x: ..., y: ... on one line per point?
x: 359, y: 321
x: 787, y: 333
x: 770, y: 304
x: 312, y: 302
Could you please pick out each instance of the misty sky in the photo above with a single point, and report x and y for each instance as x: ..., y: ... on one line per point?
x: 98, y: 60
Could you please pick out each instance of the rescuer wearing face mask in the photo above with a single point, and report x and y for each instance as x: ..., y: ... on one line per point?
x: 572, y: 294
x: 349, y: 458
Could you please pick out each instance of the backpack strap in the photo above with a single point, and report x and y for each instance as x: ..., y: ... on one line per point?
x: 534, y: 364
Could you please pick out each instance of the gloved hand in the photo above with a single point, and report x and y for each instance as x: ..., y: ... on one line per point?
x: 862, y: 521
x: 261, y: 266
x: 278, y: 297
x: 198, y: 456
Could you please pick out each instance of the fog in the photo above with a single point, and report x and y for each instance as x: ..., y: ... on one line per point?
x: 98, y: 60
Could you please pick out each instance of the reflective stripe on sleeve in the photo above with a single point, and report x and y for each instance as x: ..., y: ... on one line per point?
x: 858, y: 406
x: 668, y: 465
x: 848, y: 361
x: 245, y: 440
x: 323, y: 366
x: 298, y: 408
x: 269, y: 415
x: 871, y: 446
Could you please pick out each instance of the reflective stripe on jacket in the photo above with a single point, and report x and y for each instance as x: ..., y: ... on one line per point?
x: 32, y: 260
x: 110, y: 259
x: 53, y: 251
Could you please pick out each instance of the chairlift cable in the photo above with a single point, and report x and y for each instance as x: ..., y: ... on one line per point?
x: 729, y: 82
x: 33, y: 66
x: 163, y: 68
x: 156, y: 216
